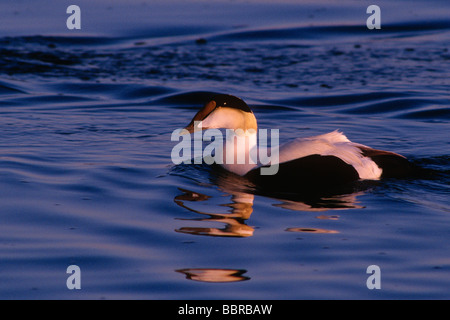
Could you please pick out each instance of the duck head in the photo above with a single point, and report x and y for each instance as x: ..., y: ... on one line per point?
x: 223, y: 112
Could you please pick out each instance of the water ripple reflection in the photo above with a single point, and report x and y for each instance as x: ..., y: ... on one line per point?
x: 241, y: 207
x: 214, y: 275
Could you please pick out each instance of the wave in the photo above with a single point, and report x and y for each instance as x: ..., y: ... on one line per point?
x: 407, y: 105
x: 8, y: 87
x: 321, y: 32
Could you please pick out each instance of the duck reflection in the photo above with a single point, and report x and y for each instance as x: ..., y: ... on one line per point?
x: 242, y: 195
x: 214, y: 275
x: 241, y: 208
x: 335, y: 202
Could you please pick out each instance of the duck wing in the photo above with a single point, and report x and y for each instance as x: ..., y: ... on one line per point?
x: 393, y: 165
x: 333, y: 157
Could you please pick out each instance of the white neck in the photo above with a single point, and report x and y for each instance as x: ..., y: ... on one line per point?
x: 240, y: 152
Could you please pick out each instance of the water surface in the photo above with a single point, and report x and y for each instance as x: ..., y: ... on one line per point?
x: 86, y: 176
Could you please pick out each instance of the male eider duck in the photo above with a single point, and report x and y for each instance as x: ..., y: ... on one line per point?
x: 315, y: 162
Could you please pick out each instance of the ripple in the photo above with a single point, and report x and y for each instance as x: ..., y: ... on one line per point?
x: 311, y: 230
x: 7, y: 88
x: 438, y: 113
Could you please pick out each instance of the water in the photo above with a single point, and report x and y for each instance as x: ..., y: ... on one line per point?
x: 86, y: 176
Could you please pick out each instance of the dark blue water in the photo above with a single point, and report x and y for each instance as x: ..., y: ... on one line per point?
x: 86, y: 176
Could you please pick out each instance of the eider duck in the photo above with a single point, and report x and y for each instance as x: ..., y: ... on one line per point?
x: 321, y: 161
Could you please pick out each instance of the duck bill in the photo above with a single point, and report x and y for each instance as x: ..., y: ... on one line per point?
x: 194, y: 126
x: 196, y: 123
x: 189, y: 129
